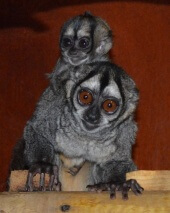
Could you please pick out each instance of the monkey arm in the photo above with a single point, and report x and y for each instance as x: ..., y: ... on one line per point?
x: 121, y: 163
x: 18, y: 161
x: 36, y: 154
x: 112, y: 175
x: 36, y: 150
x: 112, y: 171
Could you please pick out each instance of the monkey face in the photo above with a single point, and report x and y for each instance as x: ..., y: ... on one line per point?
x: 83, y: 37
x: 76, y: 48
x: 104, y: 97
x: 97, y: 100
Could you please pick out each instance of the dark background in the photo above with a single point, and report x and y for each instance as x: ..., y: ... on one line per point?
x: 29, y: 32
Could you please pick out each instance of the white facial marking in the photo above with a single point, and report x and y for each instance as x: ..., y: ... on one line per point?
x: 69, y: 31
x: 92, y: 83
x: 112, y: 90
x: 82, y: 33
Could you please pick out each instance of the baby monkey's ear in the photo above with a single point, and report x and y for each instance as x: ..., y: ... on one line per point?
x: 102, y: 37
x: 104, y: 46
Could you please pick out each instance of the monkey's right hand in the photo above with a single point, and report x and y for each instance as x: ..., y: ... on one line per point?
x: 42, y: 169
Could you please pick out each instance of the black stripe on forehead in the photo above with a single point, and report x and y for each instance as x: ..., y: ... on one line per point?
x: 101, y: 68
x: 93, y: 24
x: 90, y: 75
x: 104, y: 80
x: 79, y: 23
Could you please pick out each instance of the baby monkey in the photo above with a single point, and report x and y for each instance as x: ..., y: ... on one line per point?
x: 83, y: 39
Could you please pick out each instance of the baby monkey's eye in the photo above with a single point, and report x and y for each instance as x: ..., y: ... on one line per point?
x: 84, y: 43
x: 67, y: 42
x: 85, y: 97
x: 109, y: 105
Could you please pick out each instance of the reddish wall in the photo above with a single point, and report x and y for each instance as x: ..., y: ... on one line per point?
x: 29, y: 49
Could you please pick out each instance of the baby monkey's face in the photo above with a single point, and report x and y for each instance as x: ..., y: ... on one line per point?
x: 77, y: 43
x: 84, y: 38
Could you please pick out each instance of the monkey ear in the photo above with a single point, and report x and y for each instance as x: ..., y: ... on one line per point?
x: 104, y: 46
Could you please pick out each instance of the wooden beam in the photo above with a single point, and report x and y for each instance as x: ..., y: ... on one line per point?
x: 83, y: 202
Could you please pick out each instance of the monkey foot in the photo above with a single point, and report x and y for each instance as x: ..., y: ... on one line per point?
x: 74, y: 170
x: 42, y: 169
x: 113, y: 187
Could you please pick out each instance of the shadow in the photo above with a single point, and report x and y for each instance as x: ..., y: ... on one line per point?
x: 21, y: 13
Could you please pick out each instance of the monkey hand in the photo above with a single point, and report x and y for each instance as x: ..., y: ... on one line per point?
x: 113, y: 187
x: 42, y: 169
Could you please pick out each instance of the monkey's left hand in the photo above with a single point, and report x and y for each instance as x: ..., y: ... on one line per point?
x: 113, y: 187
x: 42, y: 169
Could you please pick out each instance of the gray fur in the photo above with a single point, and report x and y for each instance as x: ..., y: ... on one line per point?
x: 57, y: 124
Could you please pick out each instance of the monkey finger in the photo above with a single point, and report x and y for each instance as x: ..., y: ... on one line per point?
x: 98, y: 187
x: 113, y: 191
x: 135, y: 190
x: 119, y: 187
x: 103, y: 187
x: 42, y: 182
x: 54, y: 184
x: 91, y: 188
x: 134, y: 186
x: 139, y: 188
x: 51, y: 182
x: 125, y: 190
x: 29, y: 183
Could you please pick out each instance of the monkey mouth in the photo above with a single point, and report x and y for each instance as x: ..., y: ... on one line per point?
x: 75, y: 61
x: 89, y: 126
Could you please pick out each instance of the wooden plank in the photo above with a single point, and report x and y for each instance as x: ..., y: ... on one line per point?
x: 152, y: 180
x: 83, y: 202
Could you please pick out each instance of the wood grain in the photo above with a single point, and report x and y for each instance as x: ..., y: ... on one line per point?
x: 151, y: 180
x: 84, y: 202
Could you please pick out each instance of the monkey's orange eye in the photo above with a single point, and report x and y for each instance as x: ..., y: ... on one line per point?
x: 109, y: 106
x: 85, y: 97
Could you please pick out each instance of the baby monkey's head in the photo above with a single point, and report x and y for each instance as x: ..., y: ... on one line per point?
x: 84, y: 39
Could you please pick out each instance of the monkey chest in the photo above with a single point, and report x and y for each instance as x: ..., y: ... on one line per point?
x: 90, y: 150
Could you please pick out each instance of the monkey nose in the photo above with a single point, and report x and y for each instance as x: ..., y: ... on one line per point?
x: 73, y: 52
x: 93, y: 119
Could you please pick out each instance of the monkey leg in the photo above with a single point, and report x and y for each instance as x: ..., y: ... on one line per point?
x: 124, y: 187
x: 42, y: 169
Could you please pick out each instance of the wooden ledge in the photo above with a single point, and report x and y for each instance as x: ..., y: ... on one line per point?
x: 83, y: 202
x: 155, y: 198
